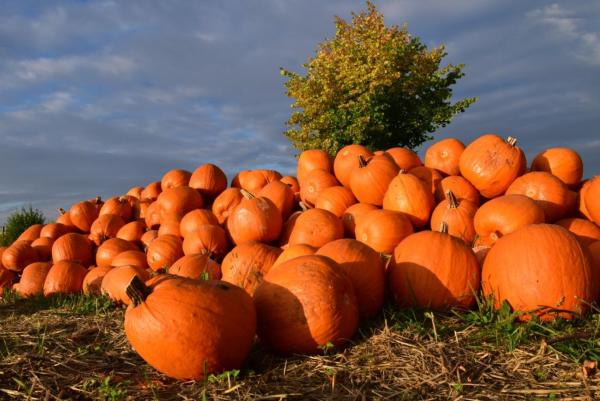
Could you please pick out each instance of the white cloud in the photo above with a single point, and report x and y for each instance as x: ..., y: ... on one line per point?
x: 57, y: 102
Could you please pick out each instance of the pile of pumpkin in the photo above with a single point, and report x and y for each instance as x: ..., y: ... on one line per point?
x: 299, y: 261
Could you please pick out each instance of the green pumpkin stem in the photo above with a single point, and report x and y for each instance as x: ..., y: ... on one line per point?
x: 137, y: 291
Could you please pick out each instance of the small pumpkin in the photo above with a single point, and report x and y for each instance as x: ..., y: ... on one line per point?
x: 409, y: 195
x: 110, y: 249
x: 563, y: 163
x: 312, y: 159
x: 196, y: 218
x: 336, y: 200
x: 209, y: 180
x: 115, y: 282
x: 314, y: 183
x: 382, y: 229
x: 197, y: 266
x: 371, y: 179
x: 316, y: 227
x: 176, y: 202
x: 152, y: 215
x: 132, y: 231
x: 151, y: 191
x: 43, y: 247
x: 64, y: 277
x: 54, y: 230
x: 64, y: 218
x: 169, y: 226
x: 254, y: 219
x: 83, y: 214
x: 104, y: 227
x: 430, y: 177
x: 347, y: 159
x: 247, y: 263
x: 209, y: 239
x: 444, y: 156
x: 32, y: 279
x: 131, y: 257
x: 73, y: 247
x: 281, y: 195
x: 164, y: 251
x: 458, y: 215
x: 175, y: 178
x: 351, y: 216
x: 404, y: 158
x: 93, y: 279
x: 136, y: 192
x: 254, y: 180
x: 119, y: 206
x: 292, y: 182
x: 148, y: 237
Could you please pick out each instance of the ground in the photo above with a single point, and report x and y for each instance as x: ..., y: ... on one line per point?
x: 75, y: 348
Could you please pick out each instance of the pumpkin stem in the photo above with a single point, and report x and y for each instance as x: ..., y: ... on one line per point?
x: 361, y: 161
x: 137, y: 291
x: 247, y: 194
x: 402, y: 171
x: 303, y: 206
x: 444, y: 227
x: 451, y: 199
x: 98, y: 200
x: 512, y: 141
x: 61, y: 211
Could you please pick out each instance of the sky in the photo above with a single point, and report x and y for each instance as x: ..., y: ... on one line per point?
x: 100, y: 96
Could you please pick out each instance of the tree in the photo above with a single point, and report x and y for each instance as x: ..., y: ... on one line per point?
x: 18, y: 222
x: 371, y: 84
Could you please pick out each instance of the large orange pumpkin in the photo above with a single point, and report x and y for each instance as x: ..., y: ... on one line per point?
x: 254, y: 219
x: 247, y: 263
x: 209, y: 239
x: 32, y: 279
x: 74, y: 247
x: 148, y: 237
x: 104, y: 227
x: 54, y: 230
x: 197, y: 266
x: 136, y: 192
x: 19, y: 255
x: 118, y: 205
x: 316, y: 227
x: 491, y: 164
x: 564, y: 163
x: 170, y: 226
x: 84, y: 213
x: 335, y: 199
x: 209, y: 179
x: 164, y: 251
x: 304, y: 304
x: 409, y: 195
x: 444, y: 156
x: 225, y: 203
x: 176, y: 202
x: 218, y: 338
x: 458, y: 215
x: 346, y: 160
x: 196, y: 218
x: 64, y: 277
x: 540, y: 269
x: 370, y: 180
x: 382, y: 229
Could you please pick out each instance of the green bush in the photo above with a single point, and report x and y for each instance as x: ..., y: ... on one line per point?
x: 18, y: 222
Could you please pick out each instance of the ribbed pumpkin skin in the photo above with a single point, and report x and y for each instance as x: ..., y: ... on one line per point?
x: 74, y: 247
x: 83, y: 214
x: 32, y: 279
x: 19, y: 255
x: 369, y: 183
x: 64, y: 277
x: 335, y: 199
x: 31, y: 233
x: 151, y: 191
x: 444, y: 156
x: 564, y: 163
x: 382, y: 229
x: 175, y: 178
x: 430, y: 177
x: 540, y: 265
x: 365, y: 269
x: 408, y: 194
x: 254, y: 219
x: 207, y: 239
x: 458, y: 215
x: 225, y: 203
x: 352, y: 215
x: 434, y: 270
x: 43, y: 247
x: 209, y: 179
x: 217, y: 339
x: 105, y: 226
x: 585, y: 231
x: 110, y: 249
x: 132, y: 231
x: 176, y: 202
x: 404, y: 158
x: 247, y: 264
x: 115, y: 282
x: 312, y: 159
x: 316, y: 227
x: 506, y: 214
x: 93, y: 279
x: 347, y: 160
x: 304, y: 304
x: 164, y: 251
x: 281, y: 195
x: 294, y: 251
x: 549, y: 192
x: 491, y: 164
x: 54, y: 230
x: 314, y: 183
x: 130, y: 258
x: 592, y: 199
x: 119, y: 206
x: 196, y: 266
x: 460, y: 187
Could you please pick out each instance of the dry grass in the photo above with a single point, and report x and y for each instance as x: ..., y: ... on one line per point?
x: 76, y: 349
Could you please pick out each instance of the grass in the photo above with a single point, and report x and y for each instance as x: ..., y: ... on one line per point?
x: 74, y: 348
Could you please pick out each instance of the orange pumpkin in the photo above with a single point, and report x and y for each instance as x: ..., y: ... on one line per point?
x: 131, y: 257
x: 335, y: 199
x: 581, y: 199
x: 197, y: 266
x: 7, y: 278
x: 110, y: 249
x: 292, y: 182
x: 382, y: 230
x: 430, y: 177
x: 409, y: 195
x: 209, y: 180
x: 176, y: 202
x: 458, y: 215
x: 460, y: 187
x: 32, y: 279
x: 64, y: 218
x: 316, y: 227
x: 351, y: 216
x: 174, y: 179
x: 196, y: 218
x: 84, y: 213
x: 225, y: 203
x: 304, y: 304
x: 293, y: 251
x: 64, y: 277
x: 170, y: 226
x: 247, y: 263
x: 491, y: 164
x: 74, y: 247
x: 281, y: 195
x: 116, y: 280
x: 564, y: 163
x: 314, y: 183
x: 370, y: 180
x: 254, y: 219
x: 19, y: 255
x: 346, y: 160
x: 119, y: 206
x: 444, y: 156
x: 136, y: 192
x: 151, y: 191
x: 592, y: 199
x: 254, y: 180
x: 93, y: 279
x: 54, y: 230
x: 164, y: 251
x: 31, y: 233
x: 364, y: 267
x: 132, y: 231
x: 43, y: 247
x: 585, y: 231
x: 404, y: 158
x: 540, y: 269
x: 148, y: 237
x: 312, y: 159
x: 152, y: 215
x: 104, y: 227
x: 209, y: 239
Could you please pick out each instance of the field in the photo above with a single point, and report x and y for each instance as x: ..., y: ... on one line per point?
x: 74, y: 348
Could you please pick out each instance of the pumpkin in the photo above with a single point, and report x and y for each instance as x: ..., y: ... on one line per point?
x: 131, y: 257
x: 430, y: 177
x: 43, y: 247
x: 504, y: 215
x: 382, y: 230
x: 247, y: 263
x: 170, y: 226
x: 32, y: 279
x: 346, y: 160
x: 209, y: 239
x: 305, y: 304
x: 335, y: 199
x: 151, y: 191
x: 152, y: 215
x: 148, y: 237
x: 404, y: 158
x: 254, y: 219
x: 292, y: 182
x: 18, y: 255
x: 7, y: 277
x: 73, y: 247
x: 316, y: 227
x: 164, y: 251
x: 141, y: 208
x: 31, y: 233
x: 116, y: 280
x: 585, y: 231
x: 254, y: 180
x: 104, y: 227
x: 491, y: 164
x: 592, y: 199
x: 197, y: 266
x: 481, y: 252
x: 176, y: 202
x: 581, y: 199
x: 431, y: 269
x: 218, y: 338
x: 564, y: 163
x: 458, y: 215
x: 370, y: 180
x: 225, y: 203
x: 293, y: 251
x: 174, y: 179
x: 119, y: 206
x: 93, y: 279
x: 64, y: 218
x: 540, y: 269
x: 594, y: 251
x: 281, y: 195
x: 289, y: 225
x: 54, y: 230
x: 132, y: 231
x: 196, y: 218
x: 64, y: 277
x: 84, y: 213
x: 351, y: 216
x: 314, y: 183
x: 110, y: 249
x: 549, y: 192
x: 312, y: 159
x: 364, y: 267
x: 136, y: 192
x: 460, y: 187
x: 209, y: 180
x: 444, y: 156
x: 409, y: 195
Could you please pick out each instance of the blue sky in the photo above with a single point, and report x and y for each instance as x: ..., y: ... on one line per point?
x: 99, y: 96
